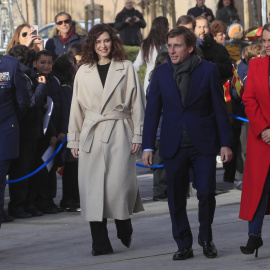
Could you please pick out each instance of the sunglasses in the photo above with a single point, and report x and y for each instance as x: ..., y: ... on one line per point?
x: 61, y: 22
x: 24, y: 34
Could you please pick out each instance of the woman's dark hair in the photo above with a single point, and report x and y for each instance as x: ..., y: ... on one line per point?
x: 22, y: 53
x: 65, y: 68
x: 156, y: 37
x: 220, y: 4
x: 89, y: 55
x: 217, y: 27
x: 75, y: 49
x: 188, y: 35
x: 161, y: 59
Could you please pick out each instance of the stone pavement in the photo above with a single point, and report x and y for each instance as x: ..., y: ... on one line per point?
x: 63, y: 241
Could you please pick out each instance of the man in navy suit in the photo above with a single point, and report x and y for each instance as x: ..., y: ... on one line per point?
x: 14, y: 101
x: 195, y: 125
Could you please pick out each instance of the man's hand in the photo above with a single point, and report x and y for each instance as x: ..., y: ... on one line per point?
x: 266, y: 136
x: 61, y: 136
x: 226, y: 154
x: 147, y: 158
x: 136, y: 147
x: 75, y: 152
x: 128, y: 20
x: 53, y: 141
x: 137, y: 19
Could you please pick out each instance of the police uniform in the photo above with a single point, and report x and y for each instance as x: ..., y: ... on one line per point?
x: 14, y: 101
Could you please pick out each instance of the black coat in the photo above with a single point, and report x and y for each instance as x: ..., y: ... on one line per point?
x: 196, y: 12
x: 31, y: 124
x: 129, y: 34
x: 65, y: 93
x: 217, y: 54
x: 53, y: 85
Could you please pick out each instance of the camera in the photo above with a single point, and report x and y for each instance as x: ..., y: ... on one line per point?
x: 133, y: 19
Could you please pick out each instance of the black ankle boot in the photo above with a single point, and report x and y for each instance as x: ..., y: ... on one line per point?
x: 254, y: 243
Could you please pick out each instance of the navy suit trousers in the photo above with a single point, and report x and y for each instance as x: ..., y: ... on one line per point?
x: 177, y: 171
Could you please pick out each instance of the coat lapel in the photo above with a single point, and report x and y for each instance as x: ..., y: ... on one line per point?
x: 114, y: 76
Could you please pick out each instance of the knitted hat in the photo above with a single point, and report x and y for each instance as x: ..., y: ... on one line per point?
x: 235, y: 31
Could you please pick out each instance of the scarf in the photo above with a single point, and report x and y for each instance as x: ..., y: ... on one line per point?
x: 182, y: 74
x: 70, y: 34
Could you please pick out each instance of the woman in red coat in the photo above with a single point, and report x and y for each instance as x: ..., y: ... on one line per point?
x: 256, y: 184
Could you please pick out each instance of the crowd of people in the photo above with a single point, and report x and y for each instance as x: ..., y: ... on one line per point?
x: 99, y: 103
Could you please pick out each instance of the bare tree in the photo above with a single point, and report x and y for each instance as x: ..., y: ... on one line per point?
x: 255, y: 13
x: 115, y: 2
x: 33, y: 7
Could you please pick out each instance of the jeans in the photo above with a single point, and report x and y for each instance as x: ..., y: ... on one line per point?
x: 255, y: 226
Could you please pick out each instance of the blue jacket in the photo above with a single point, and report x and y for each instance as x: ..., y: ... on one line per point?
x: 204, y: 114
x: 56, y: 47
x: 14, y: 101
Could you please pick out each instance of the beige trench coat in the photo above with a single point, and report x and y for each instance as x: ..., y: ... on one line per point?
x: 103, y: 125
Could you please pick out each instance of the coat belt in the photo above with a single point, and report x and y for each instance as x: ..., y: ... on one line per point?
x: 110, y: 119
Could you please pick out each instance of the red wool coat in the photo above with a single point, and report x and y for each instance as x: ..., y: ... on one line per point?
x: 257, y: 106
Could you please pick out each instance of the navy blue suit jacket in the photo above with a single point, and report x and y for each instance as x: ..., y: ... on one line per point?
x: 14, y: 101
x: 204, y: 113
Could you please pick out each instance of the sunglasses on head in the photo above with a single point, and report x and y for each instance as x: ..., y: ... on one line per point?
x: 24, y: 34
x: 61, y: 22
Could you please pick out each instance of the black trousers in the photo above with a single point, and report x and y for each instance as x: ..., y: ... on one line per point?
x: 99, y: 232
x: 70, y: 196
x: 45, y: 183
x: 21, y: 193
x: 4, y: 166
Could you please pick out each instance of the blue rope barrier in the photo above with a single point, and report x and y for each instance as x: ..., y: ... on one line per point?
x: 152, y: 167
x: 238, y: 117
x: 63, y: 142
x: 41, y: 167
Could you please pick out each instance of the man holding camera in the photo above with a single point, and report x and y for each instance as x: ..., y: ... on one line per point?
x: 201, y: 10
x: 128, y: 22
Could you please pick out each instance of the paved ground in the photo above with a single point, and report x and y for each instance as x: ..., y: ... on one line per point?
x: 63, y: 241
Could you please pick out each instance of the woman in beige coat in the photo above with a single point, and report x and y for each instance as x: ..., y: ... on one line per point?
x: 105, y: 133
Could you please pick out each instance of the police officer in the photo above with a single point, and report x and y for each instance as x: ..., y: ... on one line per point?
x: 14, y: 101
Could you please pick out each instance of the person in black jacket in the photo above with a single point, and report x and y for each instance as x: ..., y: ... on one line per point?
x: 201, y: 10
x: 212, y: 51
x: 45, y: 181
x: 128, y: 22
x: 65, y: 69
x: 65, y: 33
x: 21, y: 203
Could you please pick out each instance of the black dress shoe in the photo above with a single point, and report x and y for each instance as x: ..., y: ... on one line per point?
x: 161, y: 197
x: 22, y: 215
x: 183, y: 254
x: 126, y: 242
x: 98, y: 253
x: 209, y: 248
x: 6, y: 217
x: 35, y: 212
